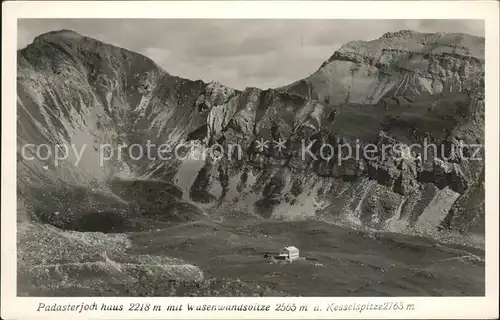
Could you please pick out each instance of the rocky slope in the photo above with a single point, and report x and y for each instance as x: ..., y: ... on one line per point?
x: 50, y: 258
x: 404, y: 63
x: 401, y: 89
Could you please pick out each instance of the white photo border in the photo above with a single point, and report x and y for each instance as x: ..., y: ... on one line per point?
x: 425, y: 307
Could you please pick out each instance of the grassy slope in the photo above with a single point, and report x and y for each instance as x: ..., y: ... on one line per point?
x: 339, y: 262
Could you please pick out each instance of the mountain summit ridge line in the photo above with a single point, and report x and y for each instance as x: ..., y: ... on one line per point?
x: 75, y: 89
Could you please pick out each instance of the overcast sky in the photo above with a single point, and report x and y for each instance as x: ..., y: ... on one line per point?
x: 238, y: 53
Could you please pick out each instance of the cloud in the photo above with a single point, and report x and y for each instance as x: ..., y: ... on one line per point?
x: 238, y: 53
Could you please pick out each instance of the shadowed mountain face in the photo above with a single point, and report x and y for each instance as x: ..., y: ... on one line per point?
x: 395, y: 93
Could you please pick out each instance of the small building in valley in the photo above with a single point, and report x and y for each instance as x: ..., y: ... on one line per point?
x: 289, y: 253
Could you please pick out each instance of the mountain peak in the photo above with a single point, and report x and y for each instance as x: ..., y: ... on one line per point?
x: 419, y: 42
x: 58, y: 34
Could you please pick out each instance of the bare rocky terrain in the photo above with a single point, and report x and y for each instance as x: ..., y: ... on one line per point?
x: 383, y: 225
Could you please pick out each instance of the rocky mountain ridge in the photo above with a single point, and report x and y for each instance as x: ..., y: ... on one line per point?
x: 404, y: 63
x: 400, y: 89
